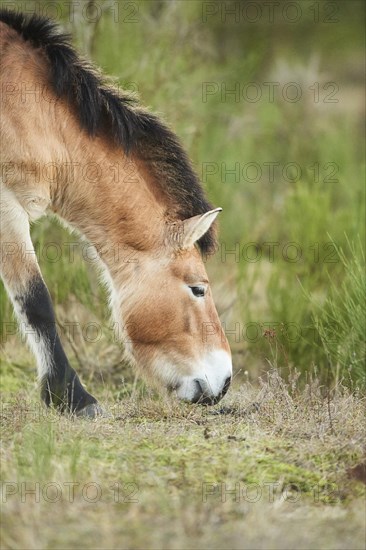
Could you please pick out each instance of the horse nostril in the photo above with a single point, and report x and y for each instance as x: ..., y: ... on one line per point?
x: 200, y: 386
x: 203, y: 394
x: 226, y: 385
x: 201, y: 397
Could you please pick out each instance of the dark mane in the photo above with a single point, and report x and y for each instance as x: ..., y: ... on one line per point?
x: 101, y: 108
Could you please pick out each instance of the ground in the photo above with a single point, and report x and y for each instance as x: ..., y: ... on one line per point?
x: 274, y: 465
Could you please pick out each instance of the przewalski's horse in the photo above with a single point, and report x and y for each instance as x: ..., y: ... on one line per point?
x: 58, y: 116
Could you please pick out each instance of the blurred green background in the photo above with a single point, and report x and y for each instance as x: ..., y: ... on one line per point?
x: 268, y: 100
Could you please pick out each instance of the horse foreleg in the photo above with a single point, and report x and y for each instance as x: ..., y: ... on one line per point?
x: 60, y: 385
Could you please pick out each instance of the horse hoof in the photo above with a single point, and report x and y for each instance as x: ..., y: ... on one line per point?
x: 94, y: 410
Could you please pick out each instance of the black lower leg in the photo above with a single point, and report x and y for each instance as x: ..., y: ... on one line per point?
x: 65, y: 391
x: 61, y: 385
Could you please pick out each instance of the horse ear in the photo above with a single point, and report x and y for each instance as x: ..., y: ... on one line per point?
x: 194, y: 228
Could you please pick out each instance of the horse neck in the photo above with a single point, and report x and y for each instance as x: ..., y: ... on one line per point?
x: 109, y: 198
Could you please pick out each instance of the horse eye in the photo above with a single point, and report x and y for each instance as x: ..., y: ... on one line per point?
x: 198, y: 291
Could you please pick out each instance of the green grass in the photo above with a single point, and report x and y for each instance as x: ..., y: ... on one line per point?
x: 158, y: 474
x: 341, y: 322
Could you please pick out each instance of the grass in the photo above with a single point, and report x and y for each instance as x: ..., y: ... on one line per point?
x: 193, y: 477
x: 341, y: 320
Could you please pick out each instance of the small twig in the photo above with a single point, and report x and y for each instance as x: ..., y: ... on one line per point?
x: 328, y: 399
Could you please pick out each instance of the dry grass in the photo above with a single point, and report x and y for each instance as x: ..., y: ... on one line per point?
x: 165, y: 471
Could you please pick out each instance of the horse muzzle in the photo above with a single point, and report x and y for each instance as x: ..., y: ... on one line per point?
x: 209, y: 383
